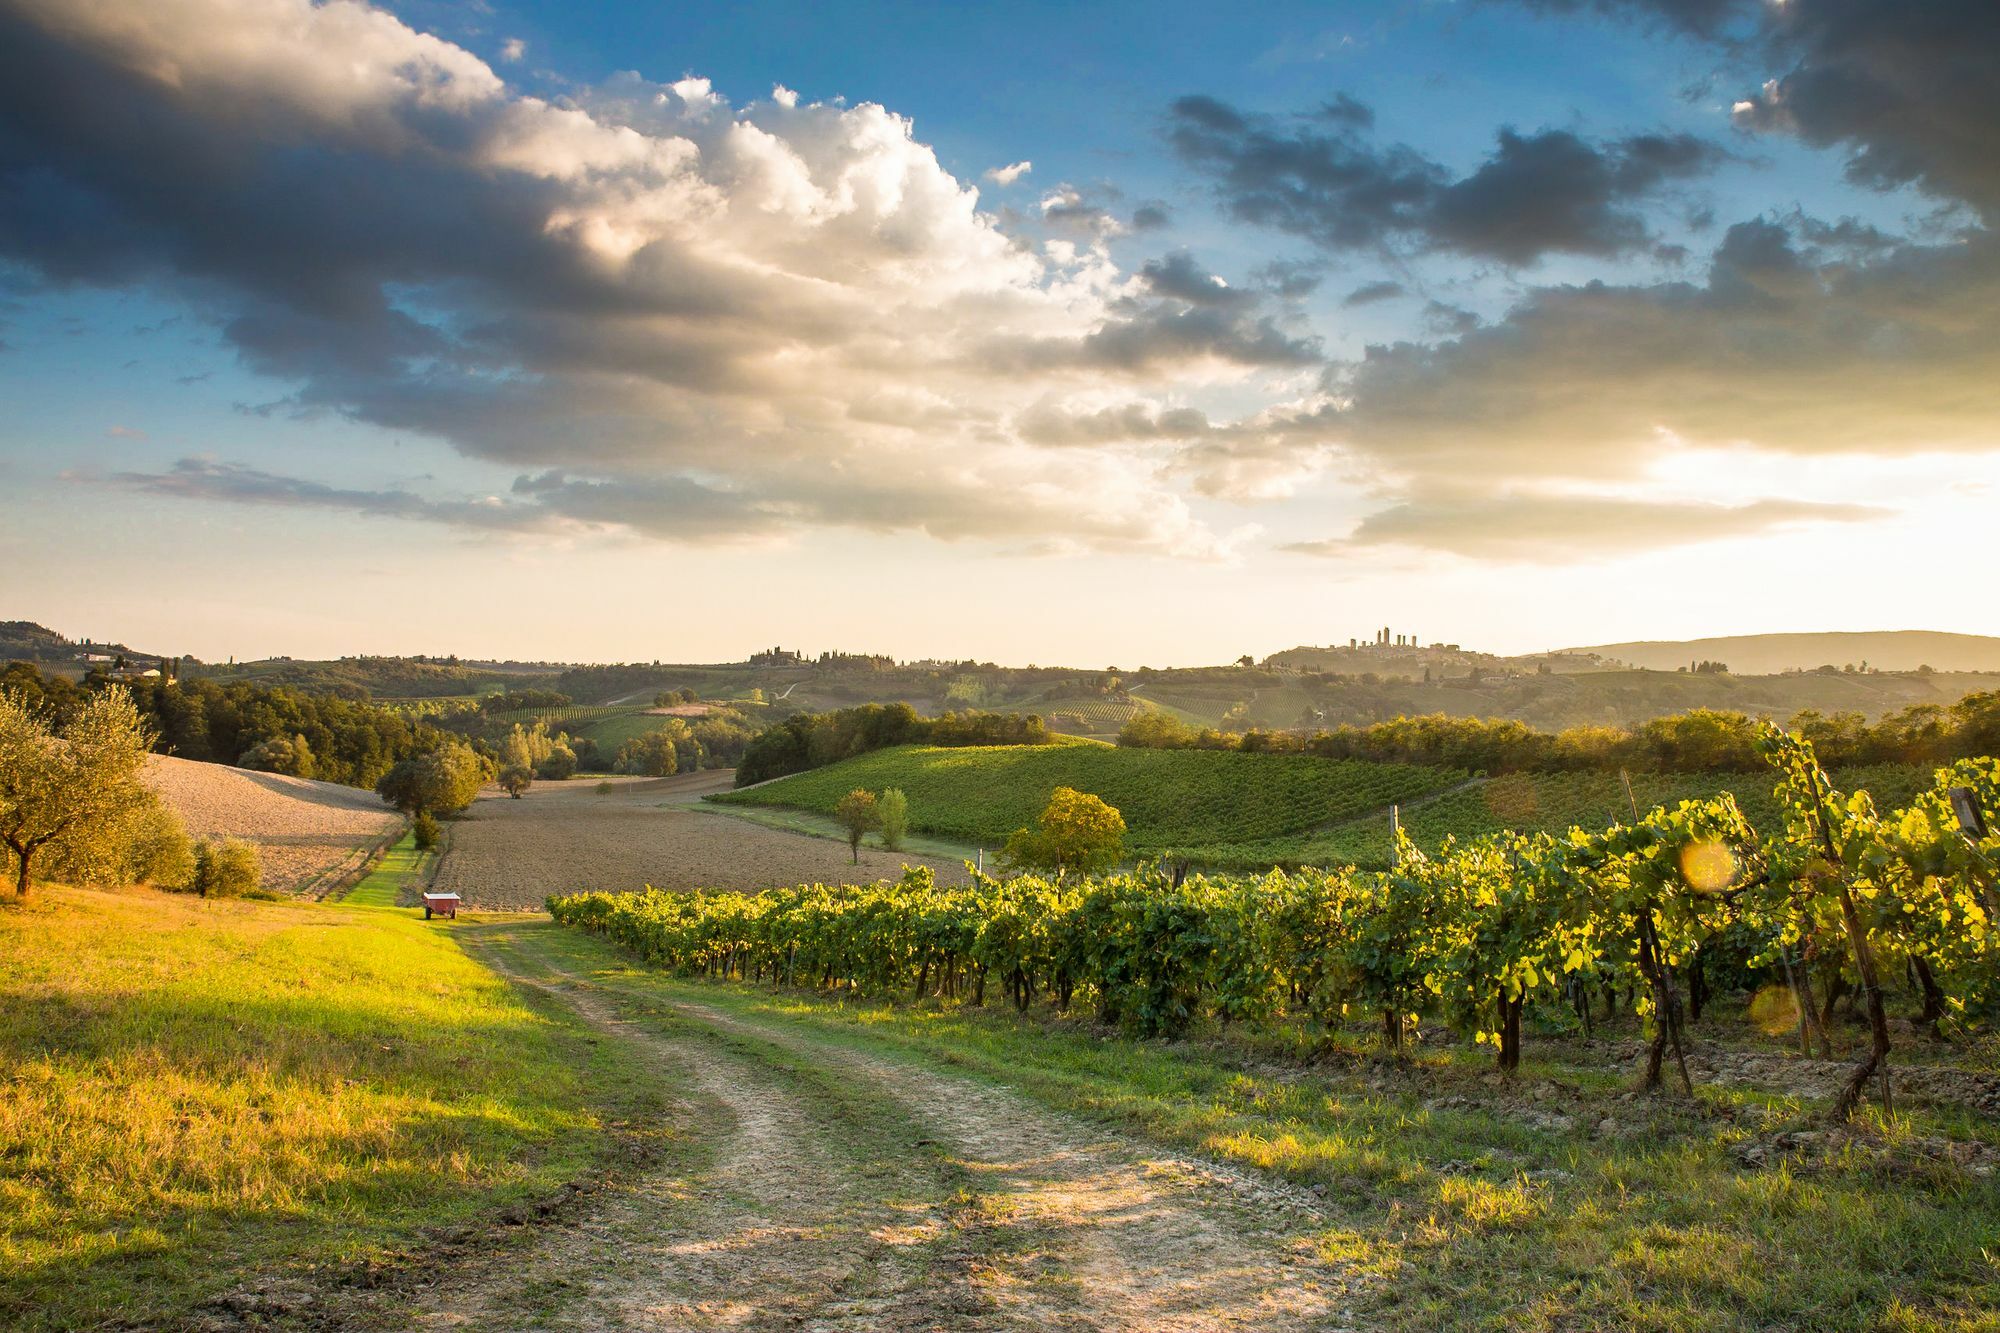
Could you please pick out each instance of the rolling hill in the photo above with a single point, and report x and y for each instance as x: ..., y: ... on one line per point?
x: 1770, y: 654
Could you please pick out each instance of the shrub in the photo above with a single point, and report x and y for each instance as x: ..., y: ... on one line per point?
x: 515, y: 779
x: 424, y: 831
x: 892, y: 811
x: 227, y: 869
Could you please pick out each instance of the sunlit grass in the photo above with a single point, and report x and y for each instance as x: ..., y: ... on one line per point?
x: 384, y: 884
x: 194, y: 1091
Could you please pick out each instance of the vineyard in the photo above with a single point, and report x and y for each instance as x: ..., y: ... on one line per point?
x: 1169, y: 798
x: 1830, y: 895
x: 1094, y: 715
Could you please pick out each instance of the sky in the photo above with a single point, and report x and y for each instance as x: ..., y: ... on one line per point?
x: 1109, y: 334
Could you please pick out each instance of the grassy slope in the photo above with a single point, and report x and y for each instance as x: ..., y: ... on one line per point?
x: 1554, y: 802
x: 1473, y: 1215
x: 1252, y: 811
x: 1169, y: 797
x: 200, y: 1091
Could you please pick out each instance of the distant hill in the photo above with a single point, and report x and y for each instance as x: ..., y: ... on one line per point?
x: 1769, y: 654
x: 25, y: 641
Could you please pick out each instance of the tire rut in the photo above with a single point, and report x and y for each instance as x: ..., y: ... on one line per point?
x: 777, y: 1231
x: 1142, y: 1243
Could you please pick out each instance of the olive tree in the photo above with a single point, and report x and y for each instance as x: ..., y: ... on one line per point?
x: 858, y: 814
x: 73, y: 787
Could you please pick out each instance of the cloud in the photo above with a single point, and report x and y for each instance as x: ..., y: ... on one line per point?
x: 1908, y: 91
x: 1319, y: 177
x: 513, y: 49
x: 787, y: 314
x: 125, y: 433
x: 1005, y: 176
x: 1368, y: 293
x: 1560, y: 528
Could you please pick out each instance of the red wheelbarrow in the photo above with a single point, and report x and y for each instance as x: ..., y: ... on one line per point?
x: 440, y: 904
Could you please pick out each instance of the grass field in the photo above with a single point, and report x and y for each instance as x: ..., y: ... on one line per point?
x: 1169, y: 798
x: 198, y: 1093
x: 392, y: 876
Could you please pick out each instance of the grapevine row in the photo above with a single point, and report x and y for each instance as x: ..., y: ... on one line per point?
x: 1832, y: 892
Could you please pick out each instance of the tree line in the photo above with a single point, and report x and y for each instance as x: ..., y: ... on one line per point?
x: 1697, y: 741
x: 814, y: 740
x: 275, y: 728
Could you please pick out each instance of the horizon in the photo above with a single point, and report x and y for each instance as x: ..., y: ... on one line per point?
x: 1017, y: 335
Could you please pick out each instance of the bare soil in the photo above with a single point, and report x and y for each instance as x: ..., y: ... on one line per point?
x: 308, y: 834
x: 564, y: 837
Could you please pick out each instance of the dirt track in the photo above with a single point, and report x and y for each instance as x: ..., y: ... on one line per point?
x: 842, y: 1189
x: 562, y: 837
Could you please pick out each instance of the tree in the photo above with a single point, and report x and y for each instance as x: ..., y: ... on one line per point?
x: 560, y: 766
x: 75, y: 788
x: 893, y: 812
x: 858, y: 814
x: 290, y: 755
x: 515, y: 779
x: 442, y: 782
x: 1076, y: 831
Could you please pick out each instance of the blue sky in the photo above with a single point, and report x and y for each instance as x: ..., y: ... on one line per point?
x: 492, y: 329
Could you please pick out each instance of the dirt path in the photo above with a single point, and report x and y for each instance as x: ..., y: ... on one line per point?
x: 833, y: 1187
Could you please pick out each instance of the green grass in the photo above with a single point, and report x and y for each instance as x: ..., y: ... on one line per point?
x: 1554, y: 802
x: 193, y: 1093
x: 613, y: 729
x: 397, y: 870
x: 1463, y: 1212
x: 1169, y: 798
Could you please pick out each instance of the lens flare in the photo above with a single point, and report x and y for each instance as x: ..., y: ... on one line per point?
x: 1775, y: 1009
x: 1708, y: 867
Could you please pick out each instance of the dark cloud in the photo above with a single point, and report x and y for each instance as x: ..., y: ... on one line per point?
x: 1368, y: 293
x: 1538, y: 194
x: 1908, y: 90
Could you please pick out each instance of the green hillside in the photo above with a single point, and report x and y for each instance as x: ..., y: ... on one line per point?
x: 1547, y: 802
x: 1170, y: 798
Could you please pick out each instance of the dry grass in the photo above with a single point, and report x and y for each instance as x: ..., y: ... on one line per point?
x: 193, y: 1092
x: 308, y: 834
x: 565, y: 836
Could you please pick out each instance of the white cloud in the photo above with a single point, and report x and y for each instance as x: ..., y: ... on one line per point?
x: 647, y: 299
x: 513, y: 49
x: 1005, y: 176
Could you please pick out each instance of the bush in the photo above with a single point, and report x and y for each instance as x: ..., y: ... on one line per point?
x: 227, y: 869
x: 892, y: 811
x: 426, y: 833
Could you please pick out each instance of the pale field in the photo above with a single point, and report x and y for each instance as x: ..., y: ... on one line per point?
x: 308, y: 834
x: 562, y: 837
